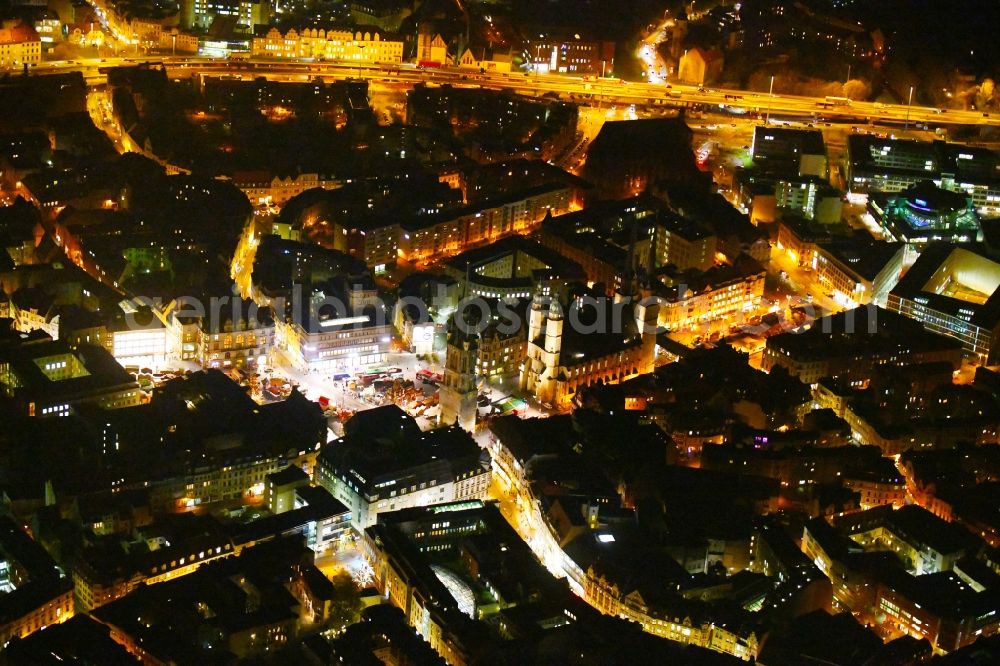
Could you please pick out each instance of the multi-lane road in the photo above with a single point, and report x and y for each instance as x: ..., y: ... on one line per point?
x: 584, y: 91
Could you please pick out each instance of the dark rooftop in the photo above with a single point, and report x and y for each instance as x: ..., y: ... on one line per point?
x: 865, y: 258
x: 914, y: 284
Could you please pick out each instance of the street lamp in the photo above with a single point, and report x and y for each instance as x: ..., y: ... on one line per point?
x: 770, y: 100
x: 909, y: 101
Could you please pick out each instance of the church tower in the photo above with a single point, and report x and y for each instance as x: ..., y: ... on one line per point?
x: 458, y: 391
x: 648, y: 318
x: 536, y: 317
x: 551, y: 352
x: 532, y: 361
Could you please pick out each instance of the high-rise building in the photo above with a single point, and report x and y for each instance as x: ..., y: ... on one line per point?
x: 458, y: 392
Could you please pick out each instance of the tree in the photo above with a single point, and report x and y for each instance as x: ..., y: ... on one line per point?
x: 985, y: 95
x: 857, y: 89
x: 345, y: 606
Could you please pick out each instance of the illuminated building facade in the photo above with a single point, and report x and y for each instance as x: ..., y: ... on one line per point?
x: 883, y: 486
x: 34, y: 594
x: 432, y: 50
x: 436, y: 601
x: 562, y: 360
x: 384, y: 463
x: 313, y: 340
x: 859, y: 273
x: 915, y: 587
x: 510, y: 268
x: 498, y: 62
x: 673, y: 624
x: 42, y: 378
x: 700, y: 66
x: 49, y: 30
x: 248, y: 13
x: 940, y: 608
x: 264, y: 188
x: 789, y: 152
x: 682, y: 243
x: 336, y: 45
x: 241, y: 336
x: 953, y: 291
x: 148, y: 33
x: 852, y: 343
x: 141, y: 344
x: 568, y: 54
x: 34, y: 310
x: 598, y: 237
x: 892, y: 165
x: 520, y: 213
x: 501, y: 353
x: 20, y: 45
x: 93, y: 587
x: 925, y: 212
x: 459, y: 391
x: 722, y: 295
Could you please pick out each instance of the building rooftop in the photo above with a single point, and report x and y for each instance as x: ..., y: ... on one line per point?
x: 821, y: 638
x: 943, y: 593
x: 420, y: 222
x: 520, y: 250
x: 931, y: 159
x: 959, y: 280
x: 865, y: 258
x: 223, y: 597
x: 673, y: 285
x: 920, y: 526
x: 289, y: 475
x: 79, y: 640
x: 786, y: 141
x: 377, y: 453
x: 18, y: 34
x: 865, y: 330
x: 52, y: 371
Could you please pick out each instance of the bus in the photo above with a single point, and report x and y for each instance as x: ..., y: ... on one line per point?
x: 838, y: 101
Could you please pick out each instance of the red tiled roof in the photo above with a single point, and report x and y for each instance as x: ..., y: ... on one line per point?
x: 18, y: 34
